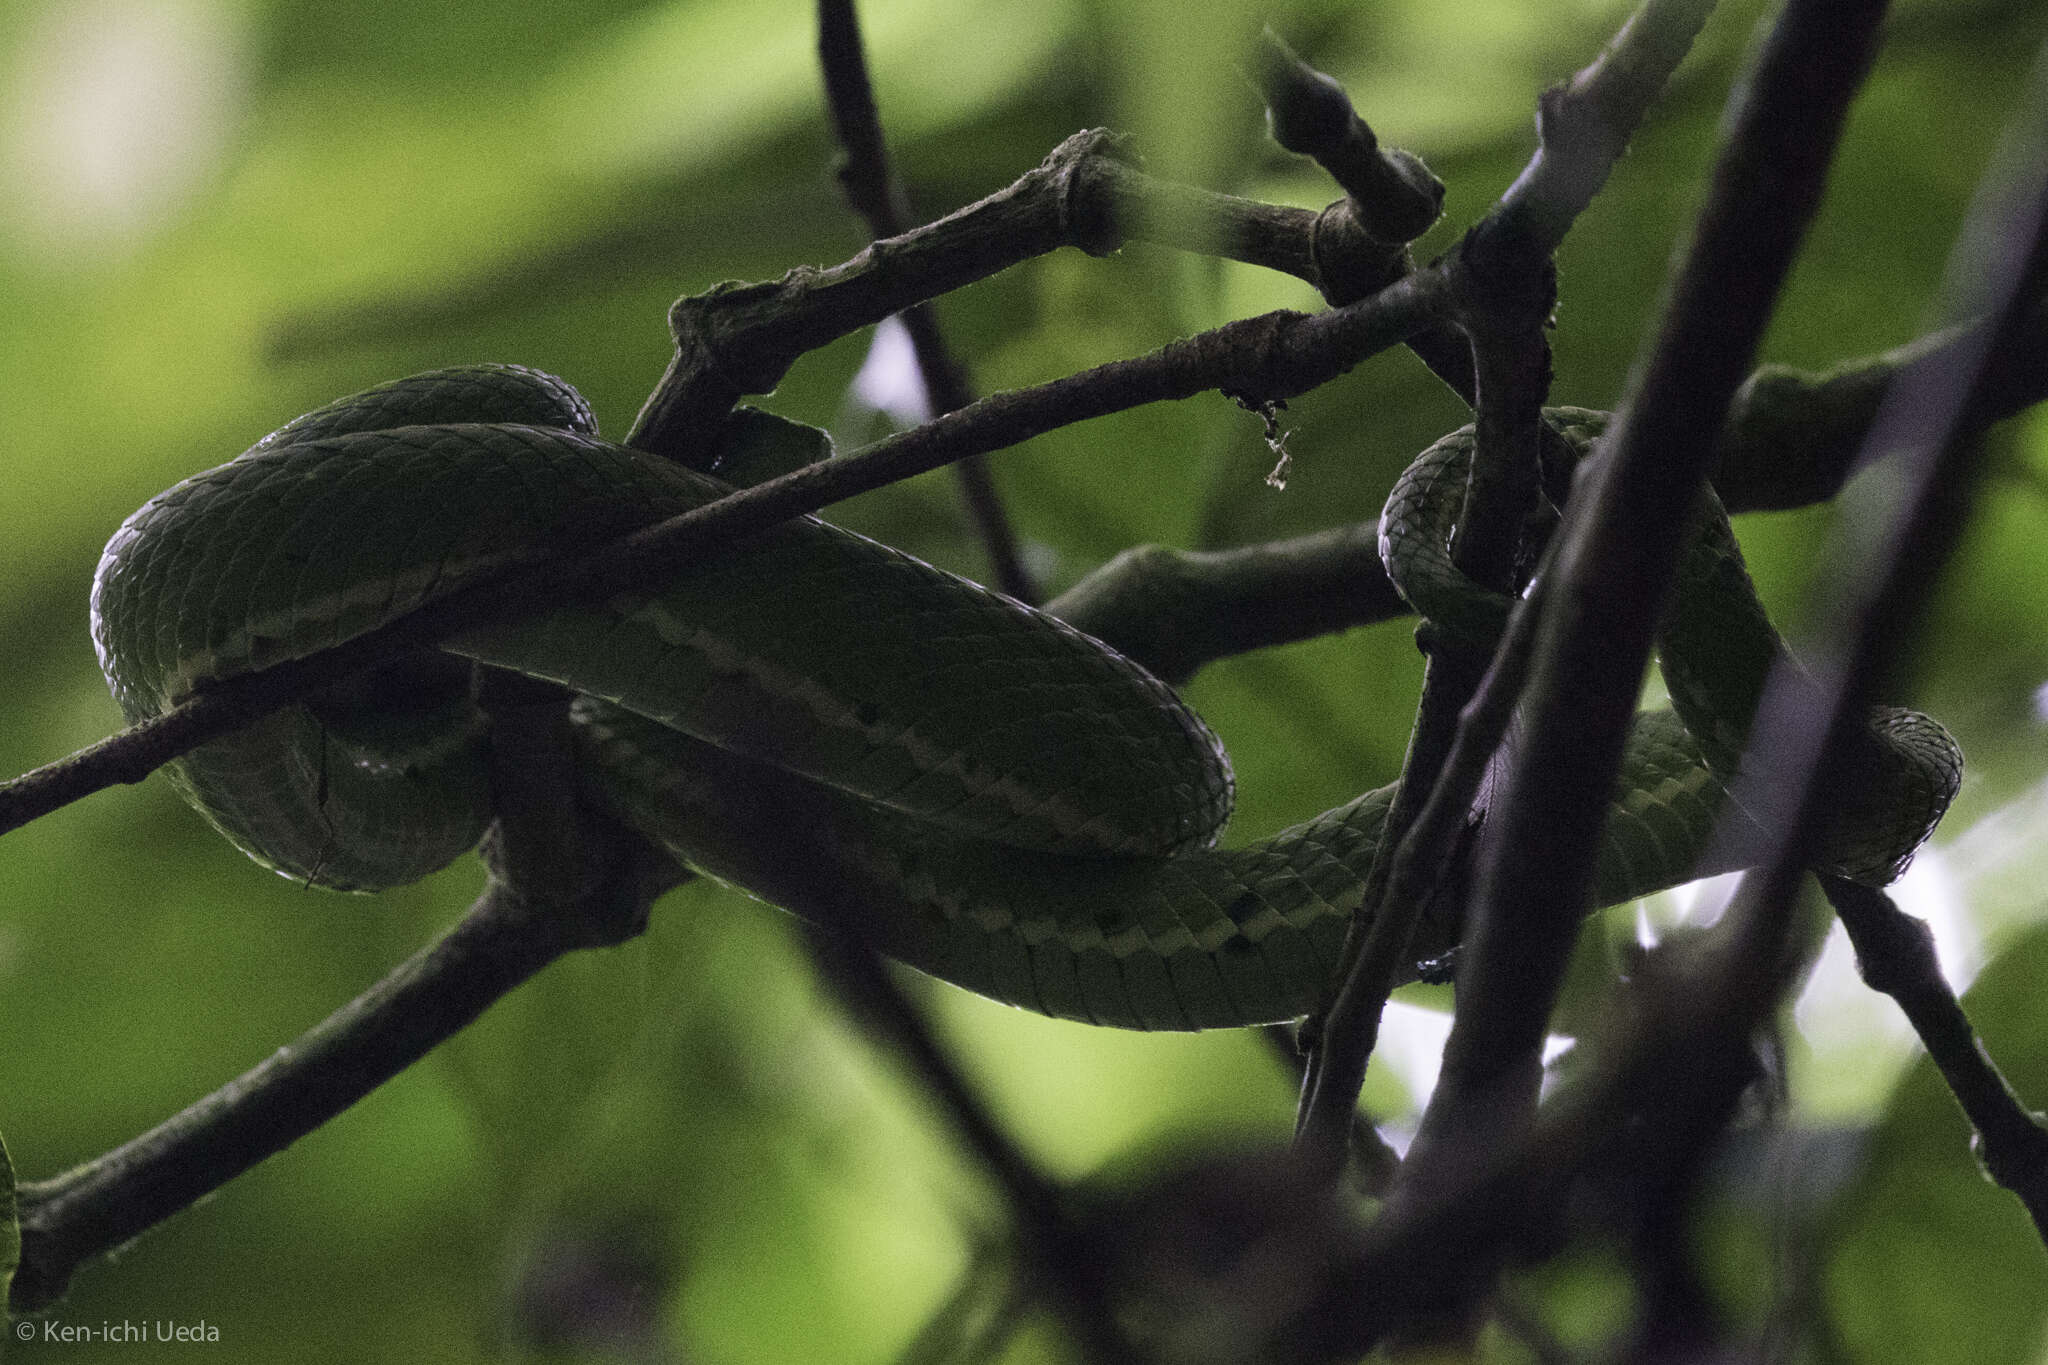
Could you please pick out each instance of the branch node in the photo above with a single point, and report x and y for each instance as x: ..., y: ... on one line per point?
x: 1350, y: 261
x: 1087, y: 220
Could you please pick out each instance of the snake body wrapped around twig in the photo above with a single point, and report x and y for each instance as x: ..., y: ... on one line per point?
x: 834, y: 726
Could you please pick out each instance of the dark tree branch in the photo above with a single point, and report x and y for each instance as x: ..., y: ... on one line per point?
x: 1621, y: 539
x: 878, y: 196
x: 1055, y: 1247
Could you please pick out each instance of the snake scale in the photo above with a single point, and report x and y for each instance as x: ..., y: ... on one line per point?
x: 823, y: 720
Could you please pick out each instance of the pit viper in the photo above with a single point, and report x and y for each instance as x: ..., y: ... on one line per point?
x: 826, y: 722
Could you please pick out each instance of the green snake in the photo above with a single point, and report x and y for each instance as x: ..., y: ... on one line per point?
x: 828, y: 723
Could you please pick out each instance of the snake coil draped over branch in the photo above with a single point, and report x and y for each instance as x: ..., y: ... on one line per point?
x: 1026, y: 813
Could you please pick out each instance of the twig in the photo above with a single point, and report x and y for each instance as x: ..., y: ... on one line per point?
x: 1584, y: 125
x: 1621, y: 541
x: 1895, y: 954
x: 1372, y: 1159
x: 878, y: 196
x: 1053, y: 1244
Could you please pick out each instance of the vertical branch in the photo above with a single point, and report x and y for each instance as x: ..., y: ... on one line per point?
x: 1618, y: 559
x: 878, y: 196
x: 1505, y: 288
x: 1513, y: 374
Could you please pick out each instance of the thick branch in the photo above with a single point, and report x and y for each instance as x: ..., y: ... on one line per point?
x: 1176, y: 610
x: 1793, y: 437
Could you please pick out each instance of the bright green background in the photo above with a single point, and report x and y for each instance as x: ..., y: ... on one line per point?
x: 221, y: 214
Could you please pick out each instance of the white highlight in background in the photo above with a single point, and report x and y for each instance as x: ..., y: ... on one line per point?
x: 115, y: 110
x: 889, y: 381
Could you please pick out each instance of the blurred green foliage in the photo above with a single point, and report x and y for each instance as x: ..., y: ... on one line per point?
x: 224, y: 212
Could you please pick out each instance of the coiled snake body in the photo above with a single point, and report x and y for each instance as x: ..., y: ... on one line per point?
x: 819, y: 718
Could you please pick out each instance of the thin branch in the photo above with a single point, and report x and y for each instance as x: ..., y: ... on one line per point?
x: 878, y: 196
x: 1621, y: 541
x: 1054, y: 1245
x: 1372, y: 1161
x: 1895, y: 954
